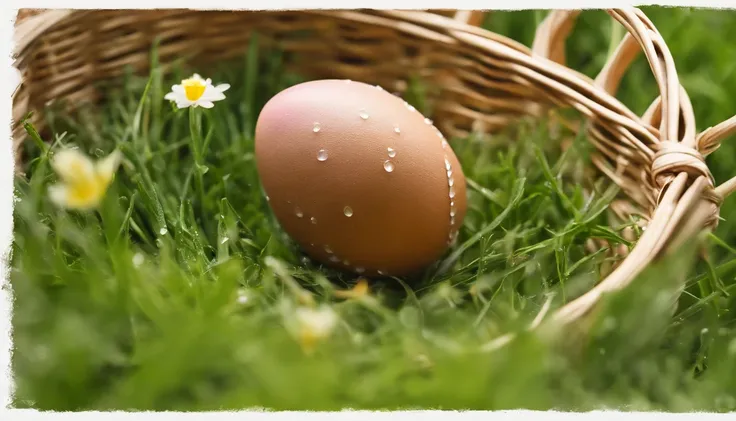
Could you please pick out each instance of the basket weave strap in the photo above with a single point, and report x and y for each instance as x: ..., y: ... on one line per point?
x: 687, y: 198
x: 669, y: 114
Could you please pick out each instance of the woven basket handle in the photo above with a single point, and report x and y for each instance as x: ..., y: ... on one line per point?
x: 672, y: 110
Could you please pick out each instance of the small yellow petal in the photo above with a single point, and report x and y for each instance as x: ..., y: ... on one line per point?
x: 359, y: 290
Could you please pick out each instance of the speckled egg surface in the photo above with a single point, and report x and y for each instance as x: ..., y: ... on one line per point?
x: 358, y: 177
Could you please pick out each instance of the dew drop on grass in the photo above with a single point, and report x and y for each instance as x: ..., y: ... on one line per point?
x: 316, y: 127
x: 137, y: 259
x: 388, y: 166
x: 224, y: 240
x: 391, y: 152
x: 163, y: 231
x: 348, y: 211
x: 322, y: 155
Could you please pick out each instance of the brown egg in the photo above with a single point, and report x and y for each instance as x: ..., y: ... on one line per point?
x: 358, y: 177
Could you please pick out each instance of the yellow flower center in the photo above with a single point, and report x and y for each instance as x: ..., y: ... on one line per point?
x: 193, y: 88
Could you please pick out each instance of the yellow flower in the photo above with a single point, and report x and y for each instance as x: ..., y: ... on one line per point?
x: 196, y: 92
x: 358, y: 291
x: 314, y: 325
x: 83, y: 182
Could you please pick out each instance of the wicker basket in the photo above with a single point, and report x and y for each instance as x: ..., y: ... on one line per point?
x: 485, y: 81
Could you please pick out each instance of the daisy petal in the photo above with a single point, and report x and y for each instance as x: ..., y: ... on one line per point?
x: 222, y: 87
x: 183, y: 104
x: 171, y: 96
x: 177, y: 89
x: 58, y: 195
x: 72, y: 166
x: 212, y: 95
x: 206, y: 104
x: 107, y: 167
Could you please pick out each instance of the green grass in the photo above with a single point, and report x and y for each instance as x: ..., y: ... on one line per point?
x: 110, y: 313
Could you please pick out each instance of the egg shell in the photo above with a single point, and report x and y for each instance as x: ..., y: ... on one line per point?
x: 322, y: 153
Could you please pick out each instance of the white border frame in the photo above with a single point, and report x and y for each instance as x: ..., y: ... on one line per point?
x: 7, y: 200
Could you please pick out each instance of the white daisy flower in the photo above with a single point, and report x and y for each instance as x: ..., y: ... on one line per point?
x: 196, y: 92
x: 314, y: 325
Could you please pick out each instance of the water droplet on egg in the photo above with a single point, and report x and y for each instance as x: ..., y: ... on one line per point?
x: 322, y: 155
x: 314, y: 220
x: 452, y: 213
x: 391, y: 152
x: 450, y: 181
x: 346, y: 262
x: 380, y: 272
x: 397, y: 130
x: 268, y: 199
x: 298, y: 212
x: 452, y: 220
x: 410, y: 107
x: 449, y: 173
x: 452, y: 192
x: 444, y: 144
x: 316, y: 127
x: 363, y: 114
x: 328, y: 250
x: 334, y: 258
x: 348, y: 211
x: 379, y: 87
x: 447, y: 165
x: 427, y: 121
x: 388, y: 166
x: 452, y: 203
